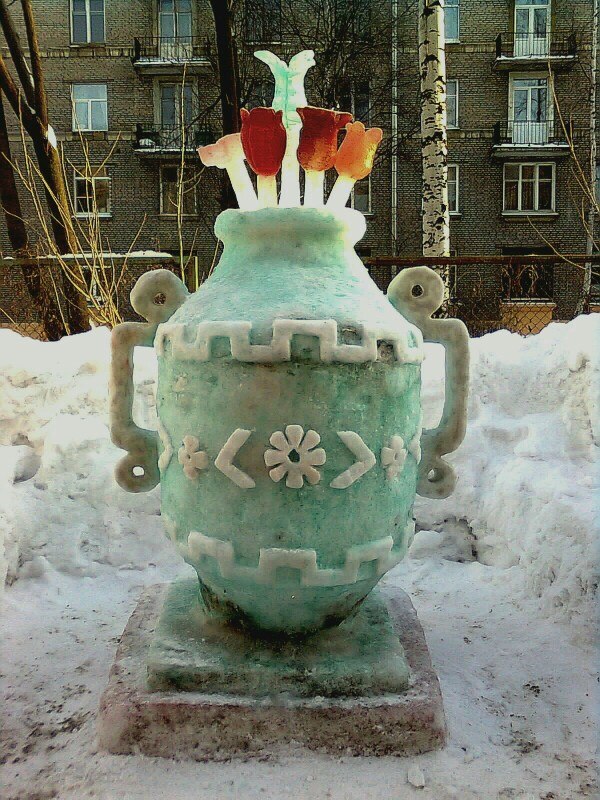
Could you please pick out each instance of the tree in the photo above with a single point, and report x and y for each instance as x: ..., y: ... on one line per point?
x: 30, y: 106
x: 434, y: 140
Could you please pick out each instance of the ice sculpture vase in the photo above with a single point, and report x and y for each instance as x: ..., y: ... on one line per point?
x: 289, y: 446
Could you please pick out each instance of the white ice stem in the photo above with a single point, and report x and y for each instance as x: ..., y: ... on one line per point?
x: 340, y: 194
x: 242, y: 185
x: 267, y: 191
x: 313, y: 188
x: 290, y: 170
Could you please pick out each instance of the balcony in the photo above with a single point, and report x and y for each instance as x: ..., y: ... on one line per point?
x: 532, y: 138
x: 166, y: 55
x: 163, y: 142
x: 532, y: 50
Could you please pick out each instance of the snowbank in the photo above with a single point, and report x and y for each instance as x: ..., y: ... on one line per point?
x: 524, y: 497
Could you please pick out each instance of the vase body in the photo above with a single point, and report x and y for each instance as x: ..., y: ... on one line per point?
x: 289, y: 407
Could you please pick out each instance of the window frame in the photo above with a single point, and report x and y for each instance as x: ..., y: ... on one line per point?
x: 75, y: 126
x: 456, y: 167
x: 536, y: 187
x: 452, y: 4
x: 173, y: 215
x: 80, y: 176
x: 369, y: 210
x: 456, y: 93
x: 88, y: 24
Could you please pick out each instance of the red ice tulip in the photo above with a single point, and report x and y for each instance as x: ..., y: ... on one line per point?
x: 263, y: 140
x: 318, y: 138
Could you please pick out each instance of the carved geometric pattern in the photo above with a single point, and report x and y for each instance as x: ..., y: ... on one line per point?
x: 393, y: 457
x: 167, y: 454
x: 224, y: 461
x: 193, y: 343
x: 365, y: 460
x: 191, y: 457
x: 305, y: 452
x: 270, y: 559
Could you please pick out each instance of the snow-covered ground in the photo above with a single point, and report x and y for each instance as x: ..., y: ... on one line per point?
x: 503, y: 575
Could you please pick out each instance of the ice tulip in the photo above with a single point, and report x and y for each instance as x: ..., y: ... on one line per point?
x: 318, y: 148
x: 228, y: 154
x: 354, y: 160
x: 264, y: 140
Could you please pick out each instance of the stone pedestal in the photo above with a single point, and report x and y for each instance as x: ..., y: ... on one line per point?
x: 183, y: 685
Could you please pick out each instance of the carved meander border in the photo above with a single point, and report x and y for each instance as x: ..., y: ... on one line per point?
x: 193, y: 342
x: 270, y: 559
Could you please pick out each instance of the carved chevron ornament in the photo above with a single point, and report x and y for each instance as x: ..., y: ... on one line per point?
x: 365, y: 460
x: 224, y: 461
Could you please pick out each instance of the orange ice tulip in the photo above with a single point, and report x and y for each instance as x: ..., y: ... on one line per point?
x: 318, y: 137
x: 355, y: 157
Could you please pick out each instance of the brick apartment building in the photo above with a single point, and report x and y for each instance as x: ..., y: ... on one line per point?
x: 132, y: 82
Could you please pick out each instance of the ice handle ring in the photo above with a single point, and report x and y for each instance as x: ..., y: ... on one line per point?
x: 417, y: 293
x: 155, y: 296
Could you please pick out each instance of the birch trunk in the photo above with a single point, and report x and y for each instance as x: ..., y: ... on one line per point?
x: 434, y: 141
x: 594, y: 201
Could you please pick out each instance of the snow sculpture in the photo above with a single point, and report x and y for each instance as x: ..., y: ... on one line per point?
x: 291, y: 453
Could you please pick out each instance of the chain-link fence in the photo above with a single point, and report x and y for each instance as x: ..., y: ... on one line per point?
x: 518, y: 293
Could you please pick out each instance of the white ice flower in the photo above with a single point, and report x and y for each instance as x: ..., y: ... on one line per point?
x: 295, y: 456
x: 191, y: 458
x: 393, y: 457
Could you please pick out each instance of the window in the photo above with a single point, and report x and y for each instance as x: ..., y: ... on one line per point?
x: 453, y: 173
x: 452, y: 103
x: 90, y: 107
x: 91, y: 193
x: 529, y: 110
x: 175, y: 184
x: 529, y: 188
x: 451, y: 20
x: 355, y: 97
x: 262, y: 21
x: 87, y: 21
x: 523, y: 281
x: 175, y: 19
x: 532, y: 22
x: 352, y: 20
x: 361, y: 195
x: 176, y: 104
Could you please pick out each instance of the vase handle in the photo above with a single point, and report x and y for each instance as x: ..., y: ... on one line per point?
x: 417, y: 292
x: 155, y: 296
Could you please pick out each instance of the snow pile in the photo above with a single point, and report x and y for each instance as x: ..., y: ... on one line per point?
x: 528, y: 466
x: 524, y: 496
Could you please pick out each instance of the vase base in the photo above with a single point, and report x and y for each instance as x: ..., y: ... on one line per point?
x: 198, y: 689
x: 192, y: 651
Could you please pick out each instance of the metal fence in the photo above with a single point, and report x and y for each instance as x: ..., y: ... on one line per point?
x: 519, y: 293
x: 489, y: 293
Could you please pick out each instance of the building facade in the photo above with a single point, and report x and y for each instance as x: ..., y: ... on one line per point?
x: 132, y: 92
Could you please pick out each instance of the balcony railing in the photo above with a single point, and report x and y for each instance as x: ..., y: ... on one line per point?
x: 169, y: 49
x: 535, y: 45
x: 158, y: 140
x: 533, y: 133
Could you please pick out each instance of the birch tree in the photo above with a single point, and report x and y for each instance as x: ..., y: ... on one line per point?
x: 434, y: 139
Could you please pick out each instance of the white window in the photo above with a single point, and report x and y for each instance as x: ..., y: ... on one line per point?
x: 529, y: 188
x: 452, y: 103
x: 87, y: 21
x: 177, y: 189
x: 532, y: 26
x: 361, y: 195
x: 90, y: 107
x: 91, y: 193
x: 530, y: 110
x: 453, y: 172
x: 451, y: 20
